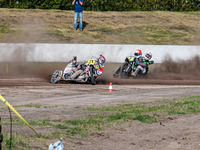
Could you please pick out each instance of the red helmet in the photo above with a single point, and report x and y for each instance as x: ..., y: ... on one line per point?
x: 102, y: 59
x: 138, y: 52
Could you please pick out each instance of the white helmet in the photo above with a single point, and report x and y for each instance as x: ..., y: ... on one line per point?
x: 148, y: 56
x: 101, y: 59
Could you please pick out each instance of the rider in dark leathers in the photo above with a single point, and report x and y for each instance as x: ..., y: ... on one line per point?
x: 142, y: 63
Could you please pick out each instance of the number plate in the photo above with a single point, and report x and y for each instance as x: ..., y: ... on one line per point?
x: 130, y: 58
x: 91, y: 61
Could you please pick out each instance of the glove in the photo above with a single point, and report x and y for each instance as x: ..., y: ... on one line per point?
x: 151, y: 62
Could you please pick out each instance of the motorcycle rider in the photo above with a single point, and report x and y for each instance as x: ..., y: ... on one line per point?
x: 74, y: 63
x: 142, y: 64
x: 74, y: 66
x: 137, y: 57
x: 101, y: 60
x: 135, y: 61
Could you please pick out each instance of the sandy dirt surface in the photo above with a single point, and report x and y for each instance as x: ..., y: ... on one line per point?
x: 174, y: 132
x: 23, y: 83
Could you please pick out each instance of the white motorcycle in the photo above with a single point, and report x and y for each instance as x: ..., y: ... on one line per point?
x: 89, y: 73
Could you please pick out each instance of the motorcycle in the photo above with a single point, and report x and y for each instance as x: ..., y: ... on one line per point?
x: 128, y: 67
x: 89, y: 73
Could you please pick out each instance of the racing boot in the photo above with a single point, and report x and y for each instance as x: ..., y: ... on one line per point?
x: 134, y: 74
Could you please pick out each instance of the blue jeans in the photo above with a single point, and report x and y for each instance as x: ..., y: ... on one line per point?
x: 80, y: 16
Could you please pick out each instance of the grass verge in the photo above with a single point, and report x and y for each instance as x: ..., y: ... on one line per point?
x: 129, y: 27
x: 5, y: 28
x: 106, y: 117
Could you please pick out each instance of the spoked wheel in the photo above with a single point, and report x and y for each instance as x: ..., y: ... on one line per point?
x: 123, y: 71
x: 92, y: 75
x: 56, y: 76
x: 147, y: 71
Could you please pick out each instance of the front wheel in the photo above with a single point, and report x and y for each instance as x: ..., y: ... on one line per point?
x: 55, y: 77
x: 116, y: 72
x: 92, y: 75
x: 125, y: 71
x: 147, y: 70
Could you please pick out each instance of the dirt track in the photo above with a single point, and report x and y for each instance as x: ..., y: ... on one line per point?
x: 27, y: 83
x: 175, y: 132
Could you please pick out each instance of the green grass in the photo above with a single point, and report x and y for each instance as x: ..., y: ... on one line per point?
x: 5, y: 28
x: 130, y: 27
x: 113, y: 114
x: 18, y: 142
x: 37, y: 106
x: 162, y: 35
x: 109, y: 116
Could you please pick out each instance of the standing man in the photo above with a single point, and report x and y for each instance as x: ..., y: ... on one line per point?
x: 78, y: 13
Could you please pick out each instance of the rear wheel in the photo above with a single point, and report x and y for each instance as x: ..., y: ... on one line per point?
x: 56, y: 76
x: 123, y: 70
x: 92, y: 75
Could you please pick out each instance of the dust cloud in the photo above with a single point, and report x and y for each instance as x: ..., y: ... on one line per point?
x: 182, y: 70
x: 168, y: 72
x: 15, y: 60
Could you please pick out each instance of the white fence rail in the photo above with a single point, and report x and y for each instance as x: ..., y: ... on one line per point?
x: 114, y: 53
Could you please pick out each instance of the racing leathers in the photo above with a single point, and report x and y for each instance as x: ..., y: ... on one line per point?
x: 81, y: 68
x: 78, y: 70
x: 142, y: 65
x: 100, y: 70
x: 72, y: 66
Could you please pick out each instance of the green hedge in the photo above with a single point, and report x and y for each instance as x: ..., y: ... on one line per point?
x: 107, y: 5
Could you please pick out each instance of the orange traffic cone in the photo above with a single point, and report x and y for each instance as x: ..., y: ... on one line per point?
x: 110, y: 88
